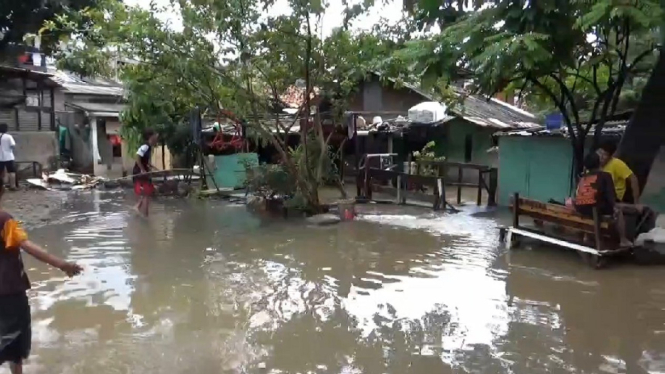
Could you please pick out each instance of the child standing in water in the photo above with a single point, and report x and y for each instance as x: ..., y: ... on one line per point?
x: 15, y: 326
x: 143, y: 186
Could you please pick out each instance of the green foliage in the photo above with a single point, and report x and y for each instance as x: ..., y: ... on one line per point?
x: 428, y: 154
x: 230, y: 55
x: 572, y: 56
x: 270, y: 181
x: 24, y: 19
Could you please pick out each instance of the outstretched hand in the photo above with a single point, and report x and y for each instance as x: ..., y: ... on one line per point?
x: 71, y: 269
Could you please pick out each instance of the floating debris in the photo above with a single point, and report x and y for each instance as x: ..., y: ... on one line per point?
x: 64, y: 180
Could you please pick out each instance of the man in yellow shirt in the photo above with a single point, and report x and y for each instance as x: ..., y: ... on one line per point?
x: 621, y: 174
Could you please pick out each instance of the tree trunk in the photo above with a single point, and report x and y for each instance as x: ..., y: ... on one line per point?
x: 645, y: 132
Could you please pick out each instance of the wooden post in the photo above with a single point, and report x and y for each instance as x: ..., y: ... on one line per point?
x: 596, y: 230
x: 368, y: 180
x: 52, y: 124
x: 479, y: 198
x: 442, y: 192
x: 516, y: 208
x: 341, y: 163
x: 460, y: 176
x: 437, y: 194
x: 40, y: 103
x: 405, y: 182
x: 491, y: 199
x: 399, y: 188
x: 356, y: 153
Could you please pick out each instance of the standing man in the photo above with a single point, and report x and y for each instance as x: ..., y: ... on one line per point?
x: 621, y: 174
x: 7, y: 165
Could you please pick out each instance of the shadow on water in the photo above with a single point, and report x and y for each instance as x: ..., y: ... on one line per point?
x: 205, y: 287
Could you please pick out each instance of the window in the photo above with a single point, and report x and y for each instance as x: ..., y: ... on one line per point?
x: 32, y: 99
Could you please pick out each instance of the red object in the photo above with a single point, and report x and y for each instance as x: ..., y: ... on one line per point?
x: 348, y: 215
x: 236, y: 141
x: 144, y: 188
x: 115, y: 140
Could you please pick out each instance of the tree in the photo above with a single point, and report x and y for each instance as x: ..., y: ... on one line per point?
x: 20, y: 19
x: 576, y: 55
x: 229, y: 56
x: 645, y: 133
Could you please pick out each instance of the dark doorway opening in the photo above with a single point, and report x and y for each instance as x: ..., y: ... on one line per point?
x: 468, y: 148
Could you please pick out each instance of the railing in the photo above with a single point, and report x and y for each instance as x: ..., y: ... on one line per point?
x: 438, y: 180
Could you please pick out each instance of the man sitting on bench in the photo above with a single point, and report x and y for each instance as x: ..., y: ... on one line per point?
x: 596, y: 189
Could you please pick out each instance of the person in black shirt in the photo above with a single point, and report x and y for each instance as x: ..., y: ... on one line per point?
x: 596, y: 189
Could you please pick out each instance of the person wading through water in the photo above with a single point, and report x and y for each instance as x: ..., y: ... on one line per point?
x: 15, y: 321
x: 143, y: 186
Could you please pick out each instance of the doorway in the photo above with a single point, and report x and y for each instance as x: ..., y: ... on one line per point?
x: 468, y: 147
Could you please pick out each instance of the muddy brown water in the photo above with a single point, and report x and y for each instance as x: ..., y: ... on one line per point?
x: 205, y: 287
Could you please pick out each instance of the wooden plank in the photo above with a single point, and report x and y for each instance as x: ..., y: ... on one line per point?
x: 456, y: 184
x: 455, y: 164
x: 569, y: 217
x: 551, y: 240
x: 383, y: 175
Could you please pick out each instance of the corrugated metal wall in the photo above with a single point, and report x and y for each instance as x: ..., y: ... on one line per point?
x: 535, y: 167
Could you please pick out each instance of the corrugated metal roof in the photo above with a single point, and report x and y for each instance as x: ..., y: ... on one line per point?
x: 99, y: 109
x: 74, y: 84
x: 483, y: 111
x: 611, y: 128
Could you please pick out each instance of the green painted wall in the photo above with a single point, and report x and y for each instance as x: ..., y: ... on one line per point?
x: 457, y: 131
x: 535, y: 167
x: 230, y: 170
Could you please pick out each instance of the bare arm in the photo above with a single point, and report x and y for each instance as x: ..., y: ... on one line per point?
x: 40, y: 254
x: 139, y: 162
x: 635, y: 188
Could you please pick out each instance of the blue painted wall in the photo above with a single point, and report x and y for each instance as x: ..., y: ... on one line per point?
x: 535, y: 167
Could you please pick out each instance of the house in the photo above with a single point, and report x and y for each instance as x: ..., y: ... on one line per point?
x: 464, y: 135
x: 93, y: 108
x: 538, y: 164
x: 29, y: 99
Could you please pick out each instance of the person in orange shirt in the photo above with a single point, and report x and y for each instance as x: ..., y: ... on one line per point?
x: 596, y: 190
x: 15, y: 327
x: 621, y: 174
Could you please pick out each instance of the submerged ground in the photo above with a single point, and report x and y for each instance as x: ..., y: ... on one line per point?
x: 205, y: 287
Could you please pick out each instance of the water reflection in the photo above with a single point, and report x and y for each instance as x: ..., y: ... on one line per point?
x: 206, y: 287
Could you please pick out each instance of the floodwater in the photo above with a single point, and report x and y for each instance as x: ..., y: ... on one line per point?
x: 205, y: 287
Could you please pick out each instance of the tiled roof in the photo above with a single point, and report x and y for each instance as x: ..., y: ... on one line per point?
x: 294, y: 95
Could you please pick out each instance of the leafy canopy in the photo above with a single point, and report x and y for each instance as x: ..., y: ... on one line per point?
x: 22, y: 19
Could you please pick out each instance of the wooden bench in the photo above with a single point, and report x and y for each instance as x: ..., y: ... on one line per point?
x: 601, y: 228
